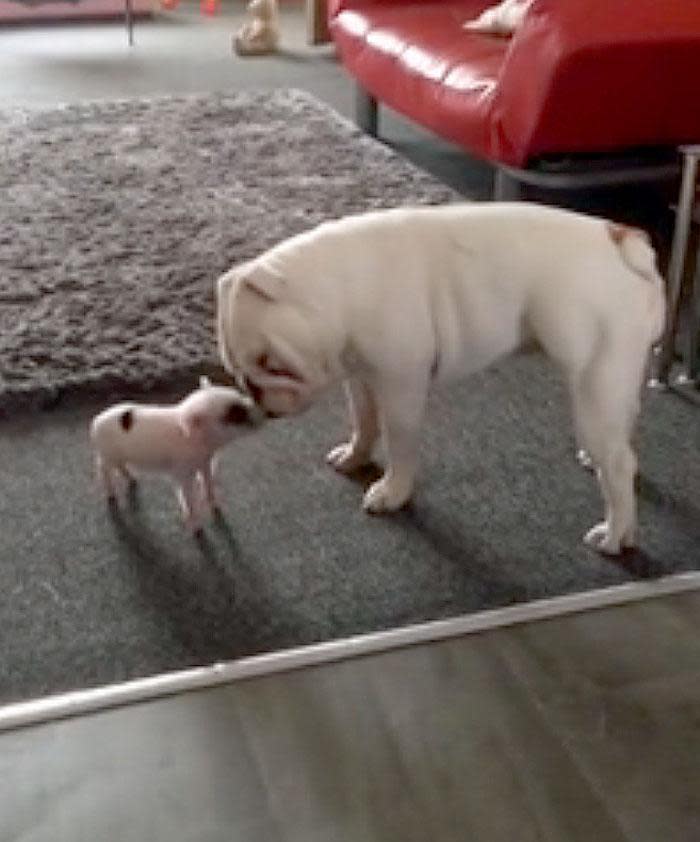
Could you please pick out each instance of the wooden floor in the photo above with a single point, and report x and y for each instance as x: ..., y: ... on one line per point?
x: 576, y: 729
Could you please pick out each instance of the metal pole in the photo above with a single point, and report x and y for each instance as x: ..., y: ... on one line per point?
x: 366, y: 115
x: 129, y: 21
x: 506, y: 187
x: 692, y: 340
x: 677, y: 262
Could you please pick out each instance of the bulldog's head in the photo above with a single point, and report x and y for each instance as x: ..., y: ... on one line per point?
x: 274, y: 347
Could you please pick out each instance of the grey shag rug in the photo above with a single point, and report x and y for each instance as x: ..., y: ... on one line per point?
x: 117, y: 217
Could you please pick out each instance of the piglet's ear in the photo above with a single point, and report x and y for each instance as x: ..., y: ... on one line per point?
x: 204, y: 382
x: 264, y: 282
x: 192, y: 424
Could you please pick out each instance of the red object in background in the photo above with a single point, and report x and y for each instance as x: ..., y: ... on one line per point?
x: 578, y: 76
x: 209, y: 7
x: 170, y: 4
x: 13, y: 12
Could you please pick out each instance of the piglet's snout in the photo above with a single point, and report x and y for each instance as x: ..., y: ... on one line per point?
x: 243, y: 413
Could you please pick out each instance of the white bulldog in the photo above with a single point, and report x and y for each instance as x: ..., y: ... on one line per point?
x: 392, y: 301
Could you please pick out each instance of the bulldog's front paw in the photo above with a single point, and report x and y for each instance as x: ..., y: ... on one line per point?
x: 601, y: 538
x: 386, y: 495
x: 347, y: 458
x: 584, y: 458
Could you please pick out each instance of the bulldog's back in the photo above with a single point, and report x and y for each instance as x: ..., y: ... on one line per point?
x: 410, y: 242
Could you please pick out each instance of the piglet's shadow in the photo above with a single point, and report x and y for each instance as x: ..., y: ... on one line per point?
x: 223, y: 528
x: 187, y: 579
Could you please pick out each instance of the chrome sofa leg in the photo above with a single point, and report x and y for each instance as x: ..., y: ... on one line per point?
x: 366, y: 111
x: 677, y: 264
x: 506, y: 188
x: 129, y: 20
x: 691, y: 355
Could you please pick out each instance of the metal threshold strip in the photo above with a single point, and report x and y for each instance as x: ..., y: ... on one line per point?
x: 82, y: 702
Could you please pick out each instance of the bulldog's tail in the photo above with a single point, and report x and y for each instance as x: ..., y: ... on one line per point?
x: 635, y: 248
x: 638, y: 254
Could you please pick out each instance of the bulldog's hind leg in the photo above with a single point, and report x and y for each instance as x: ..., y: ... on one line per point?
x: 606, y: 405
x: 357, y: 452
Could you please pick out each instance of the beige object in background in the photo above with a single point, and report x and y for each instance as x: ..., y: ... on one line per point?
x: 260, y: 34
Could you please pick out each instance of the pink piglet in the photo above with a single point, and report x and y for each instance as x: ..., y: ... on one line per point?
x: 179, y: 440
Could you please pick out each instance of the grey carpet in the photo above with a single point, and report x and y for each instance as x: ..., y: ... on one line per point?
x: 90, y: 595
x: 117, y: 217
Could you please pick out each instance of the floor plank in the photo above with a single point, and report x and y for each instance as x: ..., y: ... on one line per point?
x: 578, y: 728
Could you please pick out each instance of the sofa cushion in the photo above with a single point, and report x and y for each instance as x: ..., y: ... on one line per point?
x: 417, y: 58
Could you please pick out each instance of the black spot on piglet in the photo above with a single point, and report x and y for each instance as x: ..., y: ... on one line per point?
x: 236, y: 414
x: 127, y: 419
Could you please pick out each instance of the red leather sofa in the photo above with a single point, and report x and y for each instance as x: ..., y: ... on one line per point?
x: 585, y: 90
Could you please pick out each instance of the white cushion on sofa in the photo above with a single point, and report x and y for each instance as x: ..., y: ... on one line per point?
x: 502, y: 19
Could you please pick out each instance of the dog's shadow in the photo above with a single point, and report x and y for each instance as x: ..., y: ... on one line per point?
x: 680, y: 509
x: 639, y: 564
x: 365, y: 475
x: 450, y: 540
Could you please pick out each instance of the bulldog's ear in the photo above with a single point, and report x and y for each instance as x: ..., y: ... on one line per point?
x: 223, y: 319
x: 263, y: 282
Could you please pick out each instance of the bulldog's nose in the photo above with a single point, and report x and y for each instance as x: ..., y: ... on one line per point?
x: 256, y: 394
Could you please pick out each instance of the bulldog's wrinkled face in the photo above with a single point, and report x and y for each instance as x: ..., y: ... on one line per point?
x: 267, y: 344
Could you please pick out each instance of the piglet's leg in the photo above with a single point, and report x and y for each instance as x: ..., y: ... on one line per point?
x: 207, y: 478
x: 104, y: 475
x: 187, y: 495
x: 128, y: 476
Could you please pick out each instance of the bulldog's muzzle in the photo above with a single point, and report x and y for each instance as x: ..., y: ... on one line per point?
x: 256, y: 394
